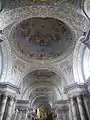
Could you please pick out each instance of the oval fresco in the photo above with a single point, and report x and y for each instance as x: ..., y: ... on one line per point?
x: 42, y: 38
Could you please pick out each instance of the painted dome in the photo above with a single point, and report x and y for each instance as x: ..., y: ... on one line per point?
x: 42, y: 38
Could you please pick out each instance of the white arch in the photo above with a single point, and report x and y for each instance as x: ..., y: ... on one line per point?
x: 87, y: 8
x: 81, y: 62
x: 42, y: 67
x: 5, y: 59
x: 52, y: 87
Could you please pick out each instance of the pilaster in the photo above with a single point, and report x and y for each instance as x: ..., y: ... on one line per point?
x: 8, y: 93
x: 77, y: 92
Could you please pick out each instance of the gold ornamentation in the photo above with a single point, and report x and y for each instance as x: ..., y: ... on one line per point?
x: 42, y: 113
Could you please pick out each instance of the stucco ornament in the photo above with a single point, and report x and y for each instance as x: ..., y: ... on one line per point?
x: 15, y: 3
x: 18, y: 66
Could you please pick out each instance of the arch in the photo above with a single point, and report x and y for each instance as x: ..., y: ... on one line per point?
x: 49, y: 67
x: 5, y: 59
x: 86, y: 8
x: 36, y: 105
x: 81, y: 61
x: 55, y: 85
x: 57, y: 92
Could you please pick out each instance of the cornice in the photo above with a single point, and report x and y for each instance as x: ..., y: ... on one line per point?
x: 61, y: 102
x: 76, y: 89
x: 22, y: 104
x: 8, y: 87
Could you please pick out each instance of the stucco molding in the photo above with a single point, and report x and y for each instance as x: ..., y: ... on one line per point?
x: 76, y: 89
x: 8, y: 89
x: 22, y: 104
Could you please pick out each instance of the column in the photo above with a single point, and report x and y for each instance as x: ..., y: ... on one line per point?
x: 65, y: 111
x: 80, y: 108
x: 19, y: 114
x: 14, y: 116
x: 10, y: 107
x: 73, y: 109
x: 59, y: 114
x: 26, y: 116
x: 64, y: 115
x: 3, y: 105
x: 70, y: 111
x: 23, y: 116
x: 86, y: 106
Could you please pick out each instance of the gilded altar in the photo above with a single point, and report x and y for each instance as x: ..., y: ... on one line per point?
x: 42, y: 113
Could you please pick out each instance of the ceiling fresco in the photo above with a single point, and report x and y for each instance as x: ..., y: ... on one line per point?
x: 42, y: 38
x: 42, y: 73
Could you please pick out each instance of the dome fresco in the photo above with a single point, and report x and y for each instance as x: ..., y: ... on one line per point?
x: 42, y: 38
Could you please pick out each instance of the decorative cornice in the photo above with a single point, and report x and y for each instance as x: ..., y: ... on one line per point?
x: 22, y: 104
x: 75, y: 89
x: 22, y: 101
x: 73, y: 86
x: 61, y: 102
x: 6, y: 86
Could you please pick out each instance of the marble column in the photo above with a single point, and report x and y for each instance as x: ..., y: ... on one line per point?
x: 86, y: 106
x: 19, y: 114
x: 65, y: 111
x: 26, y: 114
x: 23, y: 115
x: 10, y: 107
x: 70, y: 111
x: 64, y: 115
x: 79, y: 100
x: 59, y: 114
x: 14, y: 117
x: 73, y: 109
x: 3, y: 105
